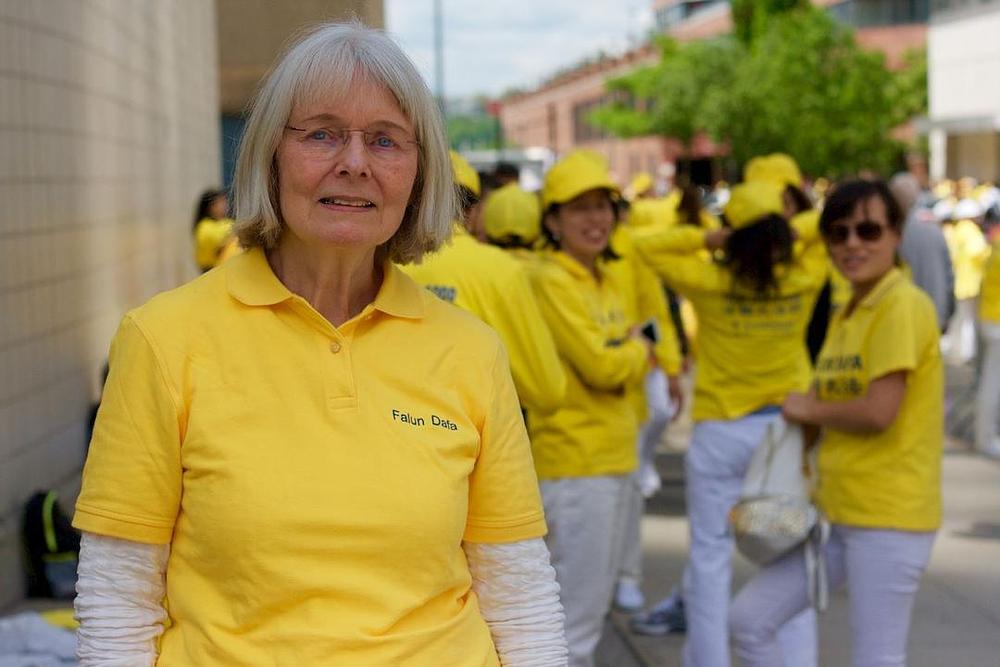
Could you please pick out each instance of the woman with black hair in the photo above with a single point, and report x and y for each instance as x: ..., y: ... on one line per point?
x: 585, y: 451
x: 753, y: 302
x: 878, y: 396
x: 212, y: 228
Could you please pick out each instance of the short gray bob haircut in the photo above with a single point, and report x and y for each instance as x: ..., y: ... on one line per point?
x: 327, y: 59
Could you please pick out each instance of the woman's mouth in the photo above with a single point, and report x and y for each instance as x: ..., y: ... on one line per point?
x: 352, y: 202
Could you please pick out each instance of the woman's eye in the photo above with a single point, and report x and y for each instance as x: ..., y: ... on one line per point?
x: 382, y: 141
x: 319, y: 135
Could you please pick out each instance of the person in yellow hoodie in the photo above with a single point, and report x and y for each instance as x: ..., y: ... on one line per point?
x: 496, y: 288
x: 988, y: 397
x: 512, y: 220
x: 878, y: 395
x: 585, y: 451
x: 212, y: 229
x: 753, y: 306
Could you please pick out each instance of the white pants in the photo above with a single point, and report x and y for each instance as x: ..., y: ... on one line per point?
x: 882, y: 570
x: 582, y: 513
x: 988, y: 397
x: 659, y: 412
x: 716, y: 463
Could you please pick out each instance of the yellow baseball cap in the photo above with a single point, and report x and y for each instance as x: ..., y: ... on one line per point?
x: 510, y: 211
x: 464, y: 174
x: 777, y: 168
x: 578, y: 172
x: 749, y: 202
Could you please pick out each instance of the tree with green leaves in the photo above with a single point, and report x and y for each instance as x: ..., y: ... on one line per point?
x: 797, y: 83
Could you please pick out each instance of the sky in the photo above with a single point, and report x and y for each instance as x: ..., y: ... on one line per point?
x: 492, y: 46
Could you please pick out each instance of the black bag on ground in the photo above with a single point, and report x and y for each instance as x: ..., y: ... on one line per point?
x: 52, y: 547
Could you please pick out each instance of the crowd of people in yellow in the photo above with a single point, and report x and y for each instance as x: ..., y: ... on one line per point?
x: 303, y: 457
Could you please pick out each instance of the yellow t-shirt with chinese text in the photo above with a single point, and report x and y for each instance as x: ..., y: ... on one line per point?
x: 315, y: 483
x: 890, y: 479
x: 594, y: 431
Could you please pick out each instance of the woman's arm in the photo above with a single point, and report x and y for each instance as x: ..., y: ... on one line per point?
x: 872, y: 413
x: 519, y: 599
x: 119, y: 602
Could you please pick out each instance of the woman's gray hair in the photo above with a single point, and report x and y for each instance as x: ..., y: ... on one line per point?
x: 327, y: 60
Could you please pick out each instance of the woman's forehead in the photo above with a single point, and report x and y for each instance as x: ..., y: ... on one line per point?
x: 362, y: 101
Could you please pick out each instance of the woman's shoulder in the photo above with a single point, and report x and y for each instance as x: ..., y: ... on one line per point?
x: 447, y: 322
x: 185, y: 309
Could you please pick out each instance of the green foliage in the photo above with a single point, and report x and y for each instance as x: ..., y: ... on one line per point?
x: 802, y: 86
x: 750, y: 16
x: 471, y: 131
x: 909, y: 86
x: 673, y: 89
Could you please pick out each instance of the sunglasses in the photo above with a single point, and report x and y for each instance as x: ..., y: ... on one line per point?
x: 866, y: 230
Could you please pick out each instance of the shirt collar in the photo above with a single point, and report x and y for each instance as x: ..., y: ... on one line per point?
x: 885, y: 283
x: 251, y: 281
x: 575, y: 268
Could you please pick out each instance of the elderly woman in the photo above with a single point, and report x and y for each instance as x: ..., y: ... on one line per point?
x: 303, y: 458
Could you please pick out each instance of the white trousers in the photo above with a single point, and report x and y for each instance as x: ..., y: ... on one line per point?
x: 716, y: 463
x: 659, y: 411
x: 582, y: 514
x: 882, y: 570
x: 988, y: 397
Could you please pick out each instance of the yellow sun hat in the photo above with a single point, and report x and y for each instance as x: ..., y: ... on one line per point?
x: 578, y: 172
x: 775, y: 168
x: 749, y: 202
x: 464, y: 174
x: 512, y: 212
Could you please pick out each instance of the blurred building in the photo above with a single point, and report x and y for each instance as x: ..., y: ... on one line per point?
x: 963, y: 64
x: 109, y: 130
x: 554, y: 115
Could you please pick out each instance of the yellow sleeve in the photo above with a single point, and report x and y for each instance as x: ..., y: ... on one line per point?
x: 892, y: 342
x: 504, y: 501
x: 806, y: 227
x: 132, y: 478
x: 534, y: 361
x: 672, y: 240
x: 653, y: 305
x: 599, y: 363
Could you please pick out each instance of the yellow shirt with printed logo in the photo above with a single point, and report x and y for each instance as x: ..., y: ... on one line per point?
x: 751, y: 349
x: 890, y: 479
x: 315, y: 483
x: 989, y: 296
x: 594, y: 432
x: 495, y: 287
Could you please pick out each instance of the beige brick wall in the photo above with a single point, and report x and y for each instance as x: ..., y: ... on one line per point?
x: 108, y: 132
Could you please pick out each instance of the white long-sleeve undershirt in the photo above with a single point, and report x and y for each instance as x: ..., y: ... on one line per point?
x: 120, y: 590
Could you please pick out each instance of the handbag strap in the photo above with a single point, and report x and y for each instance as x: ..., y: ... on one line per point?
x: 817, y: 583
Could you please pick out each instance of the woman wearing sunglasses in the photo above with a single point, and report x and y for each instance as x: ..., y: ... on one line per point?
x: 878, y: 395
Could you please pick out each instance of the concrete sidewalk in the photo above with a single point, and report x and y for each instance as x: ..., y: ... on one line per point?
x: 956, y: 620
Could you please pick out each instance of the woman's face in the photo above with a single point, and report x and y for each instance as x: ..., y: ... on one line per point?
x: 863, y: 246
x: 583, y: 226
x: 347, y: 190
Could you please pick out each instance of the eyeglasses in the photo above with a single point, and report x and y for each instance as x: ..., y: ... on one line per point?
x: 385, y: 145
x: 866, y: 230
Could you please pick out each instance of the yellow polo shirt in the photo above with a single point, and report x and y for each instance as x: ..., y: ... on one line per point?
x: 494, y: 286
x: 315, y: 483
x: 989, y: 296
x: 969, y: 250
x: 890, y: 479
x: 751, y: 349
x: 593, y: 433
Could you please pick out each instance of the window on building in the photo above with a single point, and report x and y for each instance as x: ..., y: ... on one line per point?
x: 871, y: 13
x: 671, y: 15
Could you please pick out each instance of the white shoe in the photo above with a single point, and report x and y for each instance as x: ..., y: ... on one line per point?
x: 628, y: 596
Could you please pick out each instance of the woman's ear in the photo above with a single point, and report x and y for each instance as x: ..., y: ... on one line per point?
x: 551, y: 222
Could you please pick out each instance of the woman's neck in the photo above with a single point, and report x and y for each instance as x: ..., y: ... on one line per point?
x: 337, y: 282
x: 589, y: 263
x: 861, y: 290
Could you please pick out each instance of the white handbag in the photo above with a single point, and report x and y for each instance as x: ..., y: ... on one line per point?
x: 774, y: 514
